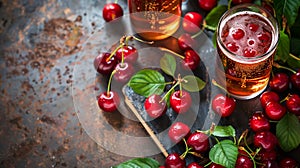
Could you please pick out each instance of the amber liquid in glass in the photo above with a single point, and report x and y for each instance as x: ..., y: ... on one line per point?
x: 155, y: 19
x: 247, y: 68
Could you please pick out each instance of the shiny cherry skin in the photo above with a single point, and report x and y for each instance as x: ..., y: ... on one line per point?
x: 191, y: 22
x: 124, y: 71
x: 194, y: 165
x: 269, y: 164
x: 267, y: 155
x: 266, y: 140
x: 293, y: 104
x: 103, y: 65
x: 279, y: 82
x: 186, y: 42
x: 109, y: 102
x: 295, y: 80
x: 191, y: 60
x: 180, y: 101
x: 267, y: 97
x: 223, y: 105
x: 207, y: 5
x: 198, y: 141
x: 112, y: 11
x: 130, y: 54
x: 155, y: 106
x: 275, y: 111
x: 243, y: 162
x: 237, y: 2
x: 288, y: 162
x: 259, y: 122
x: 214, y: 165
x: 178, y: 131
x: 174, y: 160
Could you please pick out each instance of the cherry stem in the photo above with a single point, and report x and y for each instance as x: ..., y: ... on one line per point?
x: 187, y: 150
x: 208, y: 164
x: 197, y: 34
x: 169, y: 91
x: 143, y: 41
x: 283, y: 67
x: 114, y: 52
x: 244, y: 134
x: 109, y: 82
x: 214, y: 82
x: 286, y: 98
x: 251, y: 157
x: 116, y: 1
x: 208, y: 27
x: 245, y: 141
x: 172, y: 52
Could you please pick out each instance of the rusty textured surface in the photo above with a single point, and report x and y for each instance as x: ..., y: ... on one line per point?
x: 40, y: 42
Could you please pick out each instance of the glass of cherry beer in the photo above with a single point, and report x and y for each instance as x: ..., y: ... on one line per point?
x: 247, y: 38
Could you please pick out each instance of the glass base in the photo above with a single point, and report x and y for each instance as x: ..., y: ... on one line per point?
x: 249, y: 96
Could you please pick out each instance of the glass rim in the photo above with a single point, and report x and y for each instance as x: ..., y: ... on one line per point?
x: 269, y: 17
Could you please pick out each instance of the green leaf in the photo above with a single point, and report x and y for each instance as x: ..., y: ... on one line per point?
x: 139, y: 163
x: 224, y: 153
x: 288, y: 9
x: 213, y: 17
x: 193, y: 83
x: 288, y: 132
x: 283, y: 48
x: 147, y: 82
x: 168, y: 64
x: 224, y: 131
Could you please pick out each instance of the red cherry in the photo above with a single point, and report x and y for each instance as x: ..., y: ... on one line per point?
x: 236, y: 2
x: 154, y: 106
x: 186, y: 42
x: 112, y: 11
x: 253, y: 27
x: 130, y: 54
x: 223, y: 105
x: 266, y: 140
x: 207, y: 4
x: 288, y: 162
x: 214, y: 165
x: 191, y: 60
x: 174, y: 160
x: 191, y: 22
x: 258, y: 122
x: 178, y: 131
x: 264, y: 38
x: 194, y: 165
x: 180, y: 101
x: 250, y: 52
x: 267, y: 97
x: 295, y: 80
x: 268, y: 7
x: 279, y: 82
x: 124, y: 71
x: 293, y: 104
x: 275, y: 111
x: 104, y: 66
x: 199, y: 142
x: 109, y: 103
x: 237, y: 34
x: 243, y: 162
x: 231, y: 46
x: 269, y: 164
x: 267, y: 155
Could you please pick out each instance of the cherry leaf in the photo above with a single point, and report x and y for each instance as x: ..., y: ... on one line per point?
x: 224, y: 131
x: 193, y: 83
x: 213, y: 17
x: 147, y: 82
x: 283, y: 48
x: 287, y: 9
x: 168, y: 64
x: 139, y: 162
x: 288, y: 132
x: 224, y: 153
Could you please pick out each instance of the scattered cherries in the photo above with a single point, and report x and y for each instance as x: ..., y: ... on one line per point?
x: 111, y: 11
x: 180, y: 101
x: 191, y: 22
x: 223, y: 105
x: 155, y: 106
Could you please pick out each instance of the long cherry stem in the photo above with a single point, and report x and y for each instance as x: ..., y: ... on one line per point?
x: 172, y: 52
x: 283, y: 67
x: 109, y: 82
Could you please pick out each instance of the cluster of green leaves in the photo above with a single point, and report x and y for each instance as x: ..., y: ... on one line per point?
x: 147, y: 82
x: 287, y: 15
